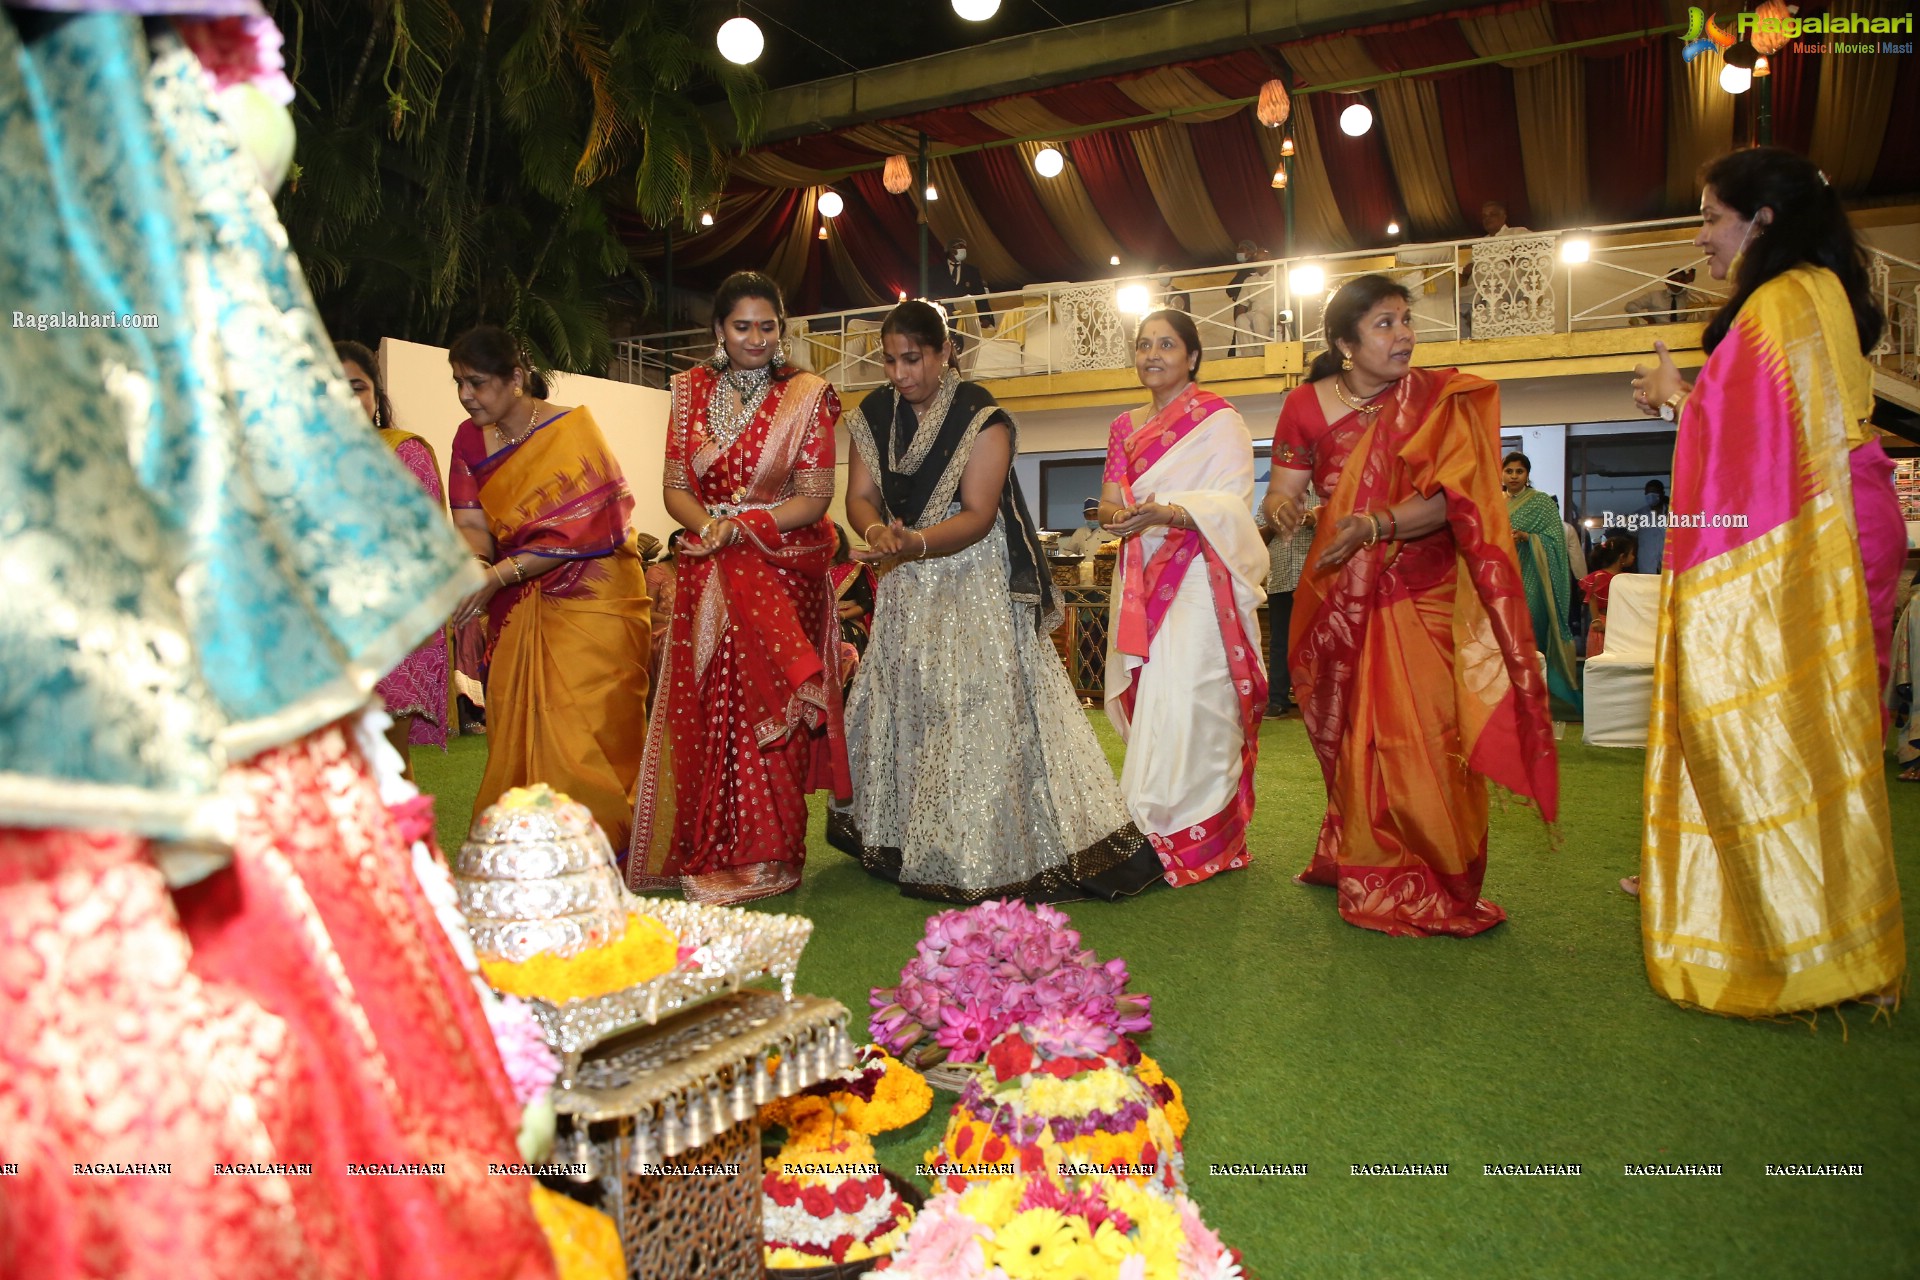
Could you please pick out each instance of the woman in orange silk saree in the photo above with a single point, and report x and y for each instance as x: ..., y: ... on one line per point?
x: 567, y: 673
x: 748, y: 720
x: 1413, y: 660
x: 1767, y: 881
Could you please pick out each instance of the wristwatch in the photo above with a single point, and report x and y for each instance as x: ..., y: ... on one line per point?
x: 1670, y: 407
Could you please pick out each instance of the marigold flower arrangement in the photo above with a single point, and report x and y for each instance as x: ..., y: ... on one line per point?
x: 1063, y: 1097
x: 825, y: 1199
x: 645, y: 951
x: 994, y: 966
x: 585, y: 1243
x: 1090, y: 1227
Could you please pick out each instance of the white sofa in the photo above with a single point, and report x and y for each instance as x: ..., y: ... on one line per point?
x: 1617, y: 684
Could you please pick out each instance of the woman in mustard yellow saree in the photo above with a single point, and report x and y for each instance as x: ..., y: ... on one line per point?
x: 1767, y: 875
x: 540, y: 498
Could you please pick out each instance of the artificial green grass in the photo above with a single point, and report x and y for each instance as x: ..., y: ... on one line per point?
x: 1298, y: 1038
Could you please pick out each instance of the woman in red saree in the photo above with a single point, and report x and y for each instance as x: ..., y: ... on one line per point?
x: 1766, y: 869
x: 1412, y: 648
x: 1185, y: 684
x: 540, y: 499
x: 748, y: 720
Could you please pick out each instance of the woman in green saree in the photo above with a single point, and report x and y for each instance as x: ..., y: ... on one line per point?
x: 1541, y: 540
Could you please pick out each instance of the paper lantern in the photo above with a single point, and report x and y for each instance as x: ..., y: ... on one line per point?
x: 1048, y: 162
x: 897, y: 176
x: 976, y: 10
x: 1280, y: 179
x: 831, y: 204
x: 1273, y: 108
x: 1772, y: 21
x: 1735, y: 79
x: 1286, y: 146
x: 1356, y: 120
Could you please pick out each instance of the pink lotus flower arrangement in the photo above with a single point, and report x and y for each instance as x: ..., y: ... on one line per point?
x: 998, y: 965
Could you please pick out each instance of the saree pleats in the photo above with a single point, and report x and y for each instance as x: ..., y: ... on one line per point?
x: 569, y: 688
x: 1767, y: 874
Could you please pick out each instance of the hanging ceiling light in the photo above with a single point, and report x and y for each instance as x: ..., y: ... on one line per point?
x: 1286, y: 146
x: 1114, y: 261
x: 823, y: 231
x: 740, y: 40
x: 1393, y: 228
x: 933, y: 192
x: 706, y: 217
x: 976, y: 10
x: 1280, y: 178
x: 1735, y: 79
x: 1356, y: 119
x: 831, y: 204
x: 1761, y: 67
x: 1576, y: 249
x: 1772, y: 21
x: 1272, y: 106
x: 897, y: 176
x: 1048, y: 162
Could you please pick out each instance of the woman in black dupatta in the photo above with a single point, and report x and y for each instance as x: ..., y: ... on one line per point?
x: 975, y: 773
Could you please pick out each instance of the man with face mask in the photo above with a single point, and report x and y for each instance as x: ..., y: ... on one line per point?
x: 1253, y: 316
x: 967, y: 282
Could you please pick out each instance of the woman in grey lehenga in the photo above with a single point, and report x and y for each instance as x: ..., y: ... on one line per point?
x: 975, y: 772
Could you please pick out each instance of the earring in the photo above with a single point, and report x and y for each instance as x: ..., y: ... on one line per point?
x: 779, y: 353
x: 378, y: 424
x: 720, y: 355
x: 1346, y: 362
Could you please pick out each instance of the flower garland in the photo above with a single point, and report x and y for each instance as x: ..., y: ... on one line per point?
x: 994, y: 966
x: 645, y: 951
x: 1089, y: 1228
x: 876, y: 1094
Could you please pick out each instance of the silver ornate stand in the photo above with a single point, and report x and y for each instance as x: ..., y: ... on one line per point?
x: 662, y: 1121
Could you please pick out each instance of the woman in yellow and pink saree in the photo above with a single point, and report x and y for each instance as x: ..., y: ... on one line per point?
x: 1767, y: 874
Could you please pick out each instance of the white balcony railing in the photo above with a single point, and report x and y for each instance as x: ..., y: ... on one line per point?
x: 1468, y: 290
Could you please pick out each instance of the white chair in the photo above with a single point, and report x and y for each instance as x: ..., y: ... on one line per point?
x: 1617, y: 683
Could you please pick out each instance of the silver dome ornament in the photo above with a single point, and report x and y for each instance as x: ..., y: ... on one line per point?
x: 740, y: 1106
x: 536, y: 876
x: 672, y: 1135
x: 762, y: 1082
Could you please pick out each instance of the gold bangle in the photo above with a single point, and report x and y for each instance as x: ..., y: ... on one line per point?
x: 1373, y: 526
x: 877, y: 524
x: 923, y: 544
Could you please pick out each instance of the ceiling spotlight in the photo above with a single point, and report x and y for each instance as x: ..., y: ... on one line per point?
x: 1133, y: 299
x: 1575, y: 249
x: 1114, y: 261
x: 1356, y: 120
x: 933, y: 192
x: 831, y: 204
x: 1735, y: 79
x: 740, y: 40
x: 1280, y: 178
x: 976, y: 10
x: 1286, y: 146
x: 1393, y: 228
x: 1307, y: 281
x: 823, y: 231
x: 706, y: 217
x: 1048, y: 162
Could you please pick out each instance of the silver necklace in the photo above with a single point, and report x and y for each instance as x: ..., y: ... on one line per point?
x: 728, y: 416
x: 925, y: 431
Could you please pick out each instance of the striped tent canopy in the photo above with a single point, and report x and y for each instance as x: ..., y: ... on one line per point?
x: 1569, y: 112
